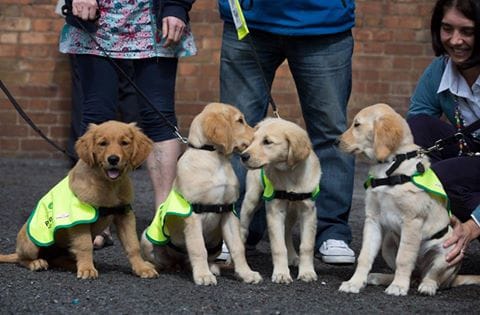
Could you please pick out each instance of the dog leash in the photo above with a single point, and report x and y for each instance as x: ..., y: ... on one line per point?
x: 30, y: 122
x: 458, y: 136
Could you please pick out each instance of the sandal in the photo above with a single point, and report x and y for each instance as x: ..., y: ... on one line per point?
x: 106, y: 242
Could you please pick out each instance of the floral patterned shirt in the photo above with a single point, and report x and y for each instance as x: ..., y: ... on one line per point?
x: 132, y: 33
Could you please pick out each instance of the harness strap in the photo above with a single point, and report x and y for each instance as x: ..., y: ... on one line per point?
x: 291, y: 196
x: 399, y: 158
x: 210, y: 251
x: 389, y: 181
x: 200, y: 208
x: 440, y: 233
x: 122, y: 209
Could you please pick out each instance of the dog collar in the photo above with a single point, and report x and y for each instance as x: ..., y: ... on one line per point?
x: 206, y: 147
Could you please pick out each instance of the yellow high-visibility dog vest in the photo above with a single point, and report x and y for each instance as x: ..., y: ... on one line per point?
x: 428, y: 181
x: 58, y: 209
x: 175, y: 205
x: 269, y: 190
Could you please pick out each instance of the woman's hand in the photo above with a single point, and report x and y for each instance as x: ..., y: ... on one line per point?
x: 85, y: 9
x: 172, y: 30
x: 463, y: 234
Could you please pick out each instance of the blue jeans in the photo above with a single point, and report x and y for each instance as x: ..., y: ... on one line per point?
x: 322, y: 70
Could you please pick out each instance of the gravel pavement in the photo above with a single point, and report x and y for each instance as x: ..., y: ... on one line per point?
x: 23, y: 182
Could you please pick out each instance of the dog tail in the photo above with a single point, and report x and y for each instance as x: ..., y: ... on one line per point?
x: 10, y: 258
x: 465, y: 280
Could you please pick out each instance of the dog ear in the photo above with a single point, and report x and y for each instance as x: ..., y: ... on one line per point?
x: 218, y: 130
x: 85, y: 144
x: 387, y: 135
x: 299, y: 147
x: 142, y: 146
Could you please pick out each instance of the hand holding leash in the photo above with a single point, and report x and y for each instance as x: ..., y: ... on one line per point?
x: 85, y: 9
x: 172, y: 30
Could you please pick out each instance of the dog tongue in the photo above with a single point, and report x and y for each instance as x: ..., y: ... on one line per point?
x: 113, y: 173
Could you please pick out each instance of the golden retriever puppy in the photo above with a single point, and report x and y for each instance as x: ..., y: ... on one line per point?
x: 199, y: 212
x: 286, y: 171
x: 96, y: 192
x: 407, y: 222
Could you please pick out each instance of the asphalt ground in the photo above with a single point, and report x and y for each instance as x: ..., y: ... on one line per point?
x: 117, y: 291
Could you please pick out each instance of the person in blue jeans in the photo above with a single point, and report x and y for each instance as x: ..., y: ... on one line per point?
x: 315, y: 38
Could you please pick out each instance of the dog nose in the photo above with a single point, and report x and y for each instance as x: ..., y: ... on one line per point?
x: 245, y: 157
x: 113, y: 159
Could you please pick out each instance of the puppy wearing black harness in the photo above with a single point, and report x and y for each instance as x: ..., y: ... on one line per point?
x: 405, y: 208
x: 199, y: 213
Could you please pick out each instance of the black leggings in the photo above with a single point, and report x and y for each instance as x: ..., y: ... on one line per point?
x: 460, y: 176
x: 155, y: 77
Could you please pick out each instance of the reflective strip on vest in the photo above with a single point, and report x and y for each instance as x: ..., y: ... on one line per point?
x: 58, y: 209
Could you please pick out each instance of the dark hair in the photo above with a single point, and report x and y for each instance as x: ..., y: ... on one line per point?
x: 471, y: 10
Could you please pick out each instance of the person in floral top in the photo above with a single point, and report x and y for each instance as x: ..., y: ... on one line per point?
x: 153, y: 34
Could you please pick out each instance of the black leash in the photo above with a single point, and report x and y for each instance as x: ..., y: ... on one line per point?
x: 30, y: 122
x: 459, y: 135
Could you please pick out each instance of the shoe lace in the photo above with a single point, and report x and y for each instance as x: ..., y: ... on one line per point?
x: 336, y: 243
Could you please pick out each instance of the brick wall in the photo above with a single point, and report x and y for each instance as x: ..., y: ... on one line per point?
x: 392, y: 49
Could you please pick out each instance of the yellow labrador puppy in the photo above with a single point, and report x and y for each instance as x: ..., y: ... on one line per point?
x: 407, y: 222
x: 96, y: 192
x: 285, y: 170
x: 199, y: 212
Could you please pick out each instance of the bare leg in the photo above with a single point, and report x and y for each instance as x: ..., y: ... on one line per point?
x: 161, y: 164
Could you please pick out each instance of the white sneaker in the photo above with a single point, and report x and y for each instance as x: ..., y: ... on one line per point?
x: 224, y: 255
x: 336, y: 252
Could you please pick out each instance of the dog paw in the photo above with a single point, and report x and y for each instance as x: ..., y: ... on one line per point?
x: 145, y: 271
x: 38, y: 264
x: 428, y: 287
x: 215, y: 269
x: 279, y: 277
x: 87, y: 273
x: 307, y: 276
x: 251, y: 277
x: 206, y: 279
x: 396, y: 290
x: 350, y: 287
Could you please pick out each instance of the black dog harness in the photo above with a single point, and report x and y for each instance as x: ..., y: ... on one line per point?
x: 123, y: 209
x: 201, y: 208
x: 392, y: 180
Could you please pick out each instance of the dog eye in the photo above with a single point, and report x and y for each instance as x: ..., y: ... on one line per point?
x: 267, y: 142
x: 103, y: 143
x: 124, y: 143
x: 356, y: 124
x: 240, y: 120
